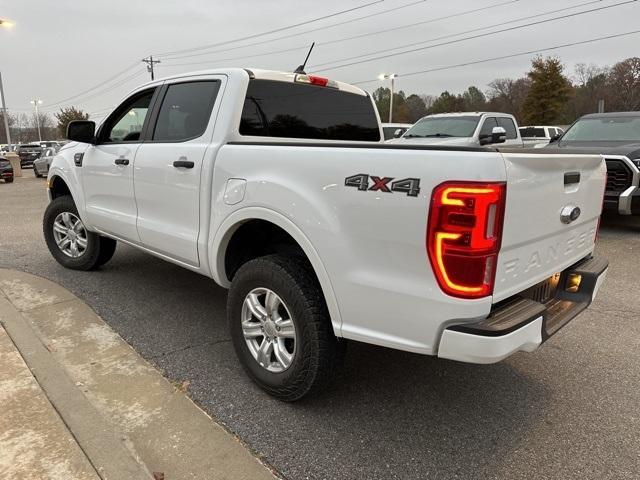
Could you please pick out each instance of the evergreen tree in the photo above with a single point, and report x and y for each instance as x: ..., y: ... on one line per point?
x: 549, y: 94
x: 66, y: 115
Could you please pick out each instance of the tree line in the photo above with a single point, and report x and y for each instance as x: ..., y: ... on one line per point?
x: 23, y: 127
x: 546, y: 95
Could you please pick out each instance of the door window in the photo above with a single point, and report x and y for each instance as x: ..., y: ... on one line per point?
x: 488, y: 126
x: 509, y: 126
x: 125, y: 124
x: 185, y: 111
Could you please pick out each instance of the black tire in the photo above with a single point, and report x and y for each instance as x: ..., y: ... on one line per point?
x: 107, y: 250
x: 9, y: 180
x: 318, y: 351
x: 88, y: 260
x: 35, y: 172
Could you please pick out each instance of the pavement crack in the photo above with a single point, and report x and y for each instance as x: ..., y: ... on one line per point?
x: 188, y: 347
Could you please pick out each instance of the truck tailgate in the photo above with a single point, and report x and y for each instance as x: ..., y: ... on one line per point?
x: 536, y: 242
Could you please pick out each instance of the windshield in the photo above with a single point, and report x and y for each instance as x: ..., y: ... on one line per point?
x: 462, y: 126
x: 612, y: 129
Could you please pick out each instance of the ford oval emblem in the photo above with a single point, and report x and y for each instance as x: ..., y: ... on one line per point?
x: 569, y: 214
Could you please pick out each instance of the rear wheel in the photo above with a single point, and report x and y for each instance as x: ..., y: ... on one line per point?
x: 280, y: 327
x: 9, y: 179
x: 70, y: 243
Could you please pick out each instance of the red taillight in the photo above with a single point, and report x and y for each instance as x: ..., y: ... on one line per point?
x: 315, y: 80
x: 463, y: 236
x: 318, y: 80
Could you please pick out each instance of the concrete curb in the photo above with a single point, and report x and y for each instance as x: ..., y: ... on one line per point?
x: 89, y: 372
x: 108, y: 450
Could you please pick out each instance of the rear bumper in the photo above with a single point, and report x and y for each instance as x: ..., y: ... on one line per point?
x: 522, y: 324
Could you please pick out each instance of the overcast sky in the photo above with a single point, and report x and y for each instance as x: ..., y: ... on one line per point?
x: 59, y: 49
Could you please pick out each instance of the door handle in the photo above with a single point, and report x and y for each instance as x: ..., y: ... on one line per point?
x: 183, y: 164
x: 122, y: 161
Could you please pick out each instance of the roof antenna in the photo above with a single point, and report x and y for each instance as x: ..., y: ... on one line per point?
x: 300, y: 69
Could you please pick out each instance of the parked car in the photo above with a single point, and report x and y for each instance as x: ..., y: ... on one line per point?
x: 539, y: 136
x: 467, y: 129
x: 28, y: 153
x: 6, y: 170
x: 615, y: 135
x: 277, y: 186
x: 394, y: 130
x: 42, y: 164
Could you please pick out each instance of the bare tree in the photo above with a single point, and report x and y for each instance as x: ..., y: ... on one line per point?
x: 508, y: 95
x: 624, y: 84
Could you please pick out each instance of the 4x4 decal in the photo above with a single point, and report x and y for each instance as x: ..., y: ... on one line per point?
x: 410, y: 186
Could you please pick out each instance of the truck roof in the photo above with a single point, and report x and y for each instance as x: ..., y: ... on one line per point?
x: 260, y: 74
x: 612, y: 114
x: 461, y: 114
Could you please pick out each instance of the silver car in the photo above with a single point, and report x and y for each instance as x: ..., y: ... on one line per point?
x: 41, y: 165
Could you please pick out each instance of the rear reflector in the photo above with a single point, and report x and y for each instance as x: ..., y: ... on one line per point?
x: 315, y: 80
x: 463, y: 236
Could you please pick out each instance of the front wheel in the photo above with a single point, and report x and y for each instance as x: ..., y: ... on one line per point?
x: 280, y: 327
x: 70, y: 243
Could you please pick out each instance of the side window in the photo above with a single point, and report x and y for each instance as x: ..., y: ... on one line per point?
x: 125, y: 124
x: 487, y: 126
x: 185, y: 111
x: 509, y: 126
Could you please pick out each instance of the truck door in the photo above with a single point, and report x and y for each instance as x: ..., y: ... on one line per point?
x: 107, y: 168
x: 168, y: 168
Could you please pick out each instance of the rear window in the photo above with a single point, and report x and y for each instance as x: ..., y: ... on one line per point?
x: 291, y: 110
x: 531, y: 132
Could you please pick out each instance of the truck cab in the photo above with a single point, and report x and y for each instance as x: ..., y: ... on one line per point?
x: 465, y: 129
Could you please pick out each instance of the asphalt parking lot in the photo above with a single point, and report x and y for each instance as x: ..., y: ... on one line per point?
x: 569, y: 410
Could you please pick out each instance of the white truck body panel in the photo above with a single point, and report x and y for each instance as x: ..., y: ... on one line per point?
x: 367, y: 248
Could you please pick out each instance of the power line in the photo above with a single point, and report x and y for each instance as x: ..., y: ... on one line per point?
x: 379, y: 57
x: 268, y: 32
x: 402, y: 27
x: 304, y: 47
x: 301, y: 47
x: 122, y: 72
x: 325, y: 27
x: 114, y: 86
x: 504, y: 57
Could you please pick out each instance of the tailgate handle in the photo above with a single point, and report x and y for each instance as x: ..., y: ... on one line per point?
x: 571, y: 178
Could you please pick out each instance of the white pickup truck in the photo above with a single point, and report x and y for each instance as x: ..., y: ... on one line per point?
x: 278, y: 187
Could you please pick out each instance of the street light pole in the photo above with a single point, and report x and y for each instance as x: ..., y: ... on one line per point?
x: 6, y: 24
x: 390, y: 76
x: 35, y: 103
x: 5, y: 115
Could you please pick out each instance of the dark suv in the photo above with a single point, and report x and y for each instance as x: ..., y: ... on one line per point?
x: 28, y: 154
x: 615, y: 135
x: 6, y: 170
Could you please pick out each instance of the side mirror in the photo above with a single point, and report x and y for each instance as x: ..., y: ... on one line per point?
x: 398, y: 133
x: 555, y: 138
x: 83, y: 131
x: 498, y: 135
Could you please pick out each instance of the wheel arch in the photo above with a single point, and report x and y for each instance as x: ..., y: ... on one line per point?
x: 230, y: 226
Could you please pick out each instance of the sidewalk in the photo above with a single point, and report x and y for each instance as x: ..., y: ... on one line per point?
x: 77, y: 402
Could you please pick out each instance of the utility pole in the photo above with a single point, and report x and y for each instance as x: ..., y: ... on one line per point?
x: 150, y: 63
x: 5, y: 115
x: 35, y: 103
